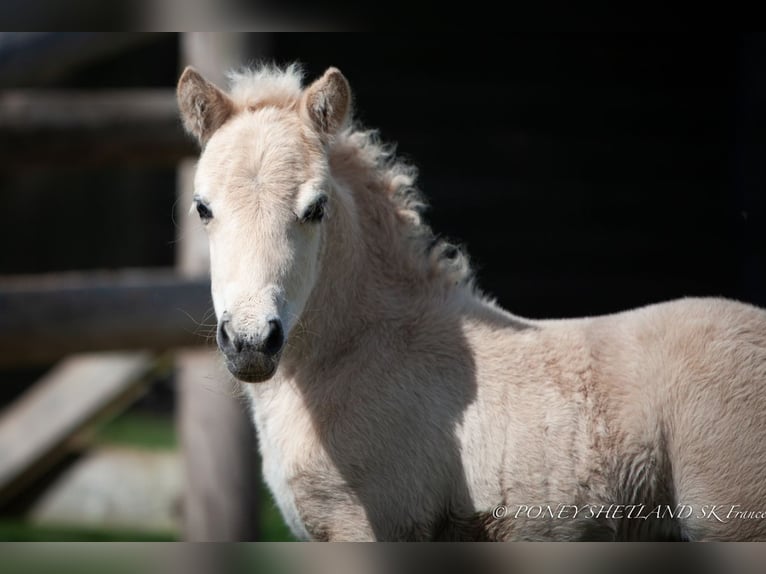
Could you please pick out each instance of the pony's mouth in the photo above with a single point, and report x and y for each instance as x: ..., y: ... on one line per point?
x: 252, y: 367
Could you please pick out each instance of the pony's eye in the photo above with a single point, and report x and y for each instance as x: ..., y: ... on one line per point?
x: 314, y: 212
x: 204, y: 212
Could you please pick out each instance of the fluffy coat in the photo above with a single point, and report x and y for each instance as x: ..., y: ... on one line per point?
x: 408, y: 406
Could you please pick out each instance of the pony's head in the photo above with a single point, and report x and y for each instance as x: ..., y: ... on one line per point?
x: 262, y: 192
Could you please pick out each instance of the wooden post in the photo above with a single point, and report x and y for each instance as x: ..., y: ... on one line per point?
x: 217, y: 435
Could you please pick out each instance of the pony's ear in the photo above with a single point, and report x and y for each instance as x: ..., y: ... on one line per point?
x: 326, y: 102
x: 204, y: 108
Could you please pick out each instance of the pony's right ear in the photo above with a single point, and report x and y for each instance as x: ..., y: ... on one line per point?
x: 327, y: 102
x: 204, y: 107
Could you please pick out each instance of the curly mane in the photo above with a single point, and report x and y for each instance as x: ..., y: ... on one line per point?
x: 395, y: 179
x: 271, y: 85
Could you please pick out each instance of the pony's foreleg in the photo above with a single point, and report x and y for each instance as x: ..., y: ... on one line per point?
x: 335, y: 517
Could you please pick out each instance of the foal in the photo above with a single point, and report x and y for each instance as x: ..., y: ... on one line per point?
x: 393, y: 401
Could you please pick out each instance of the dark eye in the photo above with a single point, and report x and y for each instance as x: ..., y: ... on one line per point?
x: 314, y: 212
x: 204, y: 212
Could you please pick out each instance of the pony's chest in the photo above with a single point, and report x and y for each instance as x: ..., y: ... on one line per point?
x: 285, y: 442
x: 277, y: 476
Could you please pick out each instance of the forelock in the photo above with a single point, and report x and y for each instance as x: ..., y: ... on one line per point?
x: 266, y: 85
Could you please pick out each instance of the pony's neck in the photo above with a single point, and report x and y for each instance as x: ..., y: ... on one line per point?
x: 380, y: 267
x: 371, y: 270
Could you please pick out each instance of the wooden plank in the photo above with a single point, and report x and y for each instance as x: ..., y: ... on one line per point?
x: 46, y: 317
x: 115, y: 488
x: 35, y: 429
x: 40, y: 58
x: 82, y: 128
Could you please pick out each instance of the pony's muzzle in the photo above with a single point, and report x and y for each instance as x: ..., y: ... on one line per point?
x: 251, y: 357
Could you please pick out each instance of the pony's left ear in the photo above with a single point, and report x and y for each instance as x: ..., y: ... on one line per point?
x: 204, y: 107
x: 326, y: 103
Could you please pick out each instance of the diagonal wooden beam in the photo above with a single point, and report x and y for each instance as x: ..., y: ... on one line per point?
x: 36, y: 429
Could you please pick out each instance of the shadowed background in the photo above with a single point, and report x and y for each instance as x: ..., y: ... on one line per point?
x: 584, y: 173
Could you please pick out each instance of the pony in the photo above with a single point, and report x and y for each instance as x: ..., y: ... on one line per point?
x: 393, y: 400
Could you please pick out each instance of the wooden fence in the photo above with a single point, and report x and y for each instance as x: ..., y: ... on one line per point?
x: 109, y: 331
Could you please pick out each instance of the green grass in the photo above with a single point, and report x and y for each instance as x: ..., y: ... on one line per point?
x: 273, y: 527
x: 139, y: 430
x: 20, y: 531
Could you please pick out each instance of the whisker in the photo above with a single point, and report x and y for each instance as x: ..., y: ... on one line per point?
x: 192, y: 319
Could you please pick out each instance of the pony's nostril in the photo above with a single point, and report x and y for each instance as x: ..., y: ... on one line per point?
x: 275, y: 338
x: 237, y: 343
x: 227, y: 340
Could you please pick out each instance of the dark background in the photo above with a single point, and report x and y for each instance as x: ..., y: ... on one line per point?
x: 584, y: 173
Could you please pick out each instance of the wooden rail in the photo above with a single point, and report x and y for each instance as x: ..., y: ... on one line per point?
x: 86, y: 128
x: 42, y: 58
x: 46, y: 317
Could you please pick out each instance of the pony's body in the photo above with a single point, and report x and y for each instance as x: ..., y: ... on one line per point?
x: 405, y: 405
